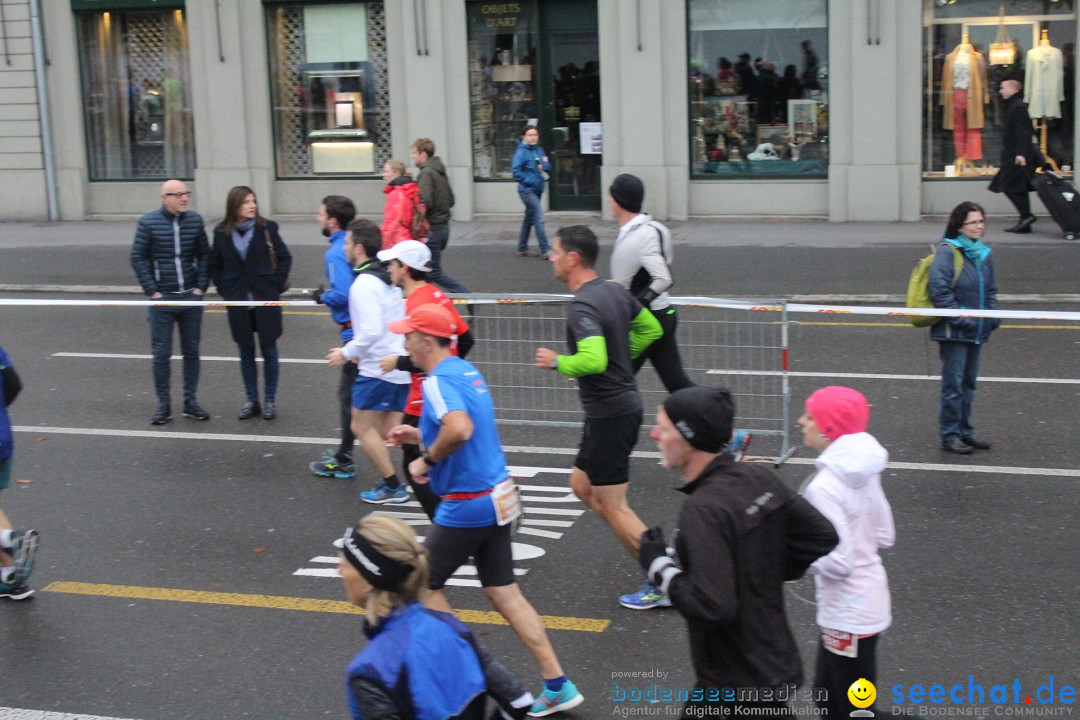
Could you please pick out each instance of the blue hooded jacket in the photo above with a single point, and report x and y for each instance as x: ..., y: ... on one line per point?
x: 528, y: 160
x: 975, y: 289
x: 340, y: 275
x: 424, y: 659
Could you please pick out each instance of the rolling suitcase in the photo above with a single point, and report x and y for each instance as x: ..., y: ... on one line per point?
x: 1061, y: 199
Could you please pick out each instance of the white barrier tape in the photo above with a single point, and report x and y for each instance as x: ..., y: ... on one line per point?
x: 935, y: 312
x: 777, y: 306
x: 769, y: 305
x: 160, y: 303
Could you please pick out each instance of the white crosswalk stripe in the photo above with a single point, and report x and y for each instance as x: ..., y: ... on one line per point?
x: 543, y: 528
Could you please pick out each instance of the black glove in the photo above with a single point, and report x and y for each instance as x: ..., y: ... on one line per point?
x: 652, y: 546
x: 317, y: 295
x: 647, y: 297
x: 652, y: 553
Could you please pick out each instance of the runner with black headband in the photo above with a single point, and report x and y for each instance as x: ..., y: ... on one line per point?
x: 418, y: 663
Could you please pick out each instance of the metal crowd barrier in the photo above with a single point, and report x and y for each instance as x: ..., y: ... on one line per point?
x: 742, y: 345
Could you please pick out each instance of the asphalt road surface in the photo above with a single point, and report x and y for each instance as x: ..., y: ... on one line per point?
x: 185, y: 570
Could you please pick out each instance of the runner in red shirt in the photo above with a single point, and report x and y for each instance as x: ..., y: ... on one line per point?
x: 408, y: 263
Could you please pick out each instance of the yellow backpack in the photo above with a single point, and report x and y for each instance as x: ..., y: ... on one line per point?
x: 918, y: 288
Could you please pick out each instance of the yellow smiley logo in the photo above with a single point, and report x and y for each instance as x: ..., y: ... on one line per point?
x: 862, y: 693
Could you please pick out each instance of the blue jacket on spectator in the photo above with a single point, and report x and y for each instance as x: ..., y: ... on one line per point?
x: 976, y: 289
x: 528, y: 160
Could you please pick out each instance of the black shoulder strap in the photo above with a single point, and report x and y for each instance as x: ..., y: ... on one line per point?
x: 660, y: 238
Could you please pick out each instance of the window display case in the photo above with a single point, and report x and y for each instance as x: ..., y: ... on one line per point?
x: 336, y: 132
x: 136, y: 94
x: 502, y: 82
x: 758, y: 88
x: 972, y: 46
x: 329, y: 87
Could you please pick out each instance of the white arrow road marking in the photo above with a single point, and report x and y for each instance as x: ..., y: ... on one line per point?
x: 539, y: 533
x: 525, y: 471
x: 409, y: 513
x: 554, y: 511
x: 22, y: 714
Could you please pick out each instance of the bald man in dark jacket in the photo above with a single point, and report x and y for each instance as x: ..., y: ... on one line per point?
x: 1018, y: 156
x: 171, y: 257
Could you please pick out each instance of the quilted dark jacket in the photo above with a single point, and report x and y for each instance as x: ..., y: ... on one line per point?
x: 976, y: 289
x: 171, y: 253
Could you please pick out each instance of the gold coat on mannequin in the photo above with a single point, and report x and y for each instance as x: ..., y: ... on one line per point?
x: 978, y: 93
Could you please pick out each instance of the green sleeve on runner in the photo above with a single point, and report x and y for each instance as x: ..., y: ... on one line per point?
x: 590, y: 358
x: 644, y: 331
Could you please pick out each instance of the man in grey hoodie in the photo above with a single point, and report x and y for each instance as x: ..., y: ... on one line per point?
x: 438, y: 198
x: 641, y: 262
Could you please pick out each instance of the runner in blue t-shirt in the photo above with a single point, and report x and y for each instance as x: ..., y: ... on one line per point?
x: 464, y: 462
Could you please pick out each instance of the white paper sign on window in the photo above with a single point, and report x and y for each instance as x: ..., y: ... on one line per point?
x: 592, y: 138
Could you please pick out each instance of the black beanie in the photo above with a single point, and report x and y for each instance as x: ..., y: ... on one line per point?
x: 628, y: 192
x: 704, y: 416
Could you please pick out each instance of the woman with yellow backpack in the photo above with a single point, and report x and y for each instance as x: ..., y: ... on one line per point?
x: 960, y: 339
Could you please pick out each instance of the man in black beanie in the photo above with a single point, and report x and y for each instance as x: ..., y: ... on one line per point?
x: 641, y: 262
x: 741, y: 534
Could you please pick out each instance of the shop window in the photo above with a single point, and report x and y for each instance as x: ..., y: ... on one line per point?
x: 136, y: 86
x: 758, y: 88
x: 972, y: 46
x: 328, y: 85
x: 502, y: 81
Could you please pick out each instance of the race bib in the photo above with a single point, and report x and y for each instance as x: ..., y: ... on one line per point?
x: 840, y: 643
x: 507, y: 502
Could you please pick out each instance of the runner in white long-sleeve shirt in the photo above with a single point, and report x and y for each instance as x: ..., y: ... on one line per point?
x: 378, y: 398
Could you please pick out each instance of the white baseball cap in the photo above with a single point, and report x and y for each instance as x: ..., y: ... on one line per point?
x: 412, y: 253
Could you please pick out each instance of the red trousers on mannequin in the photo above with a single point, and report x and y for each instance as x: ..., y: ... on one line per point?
x: 968, y: 141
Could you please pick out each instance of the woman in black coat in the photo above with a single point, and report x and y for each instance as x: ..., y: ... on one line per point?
x: 1018, y: 156
x: 249, y: 261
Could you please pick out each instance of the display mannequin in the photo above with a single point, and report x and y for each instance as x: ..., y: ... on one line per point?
x: 1044, y: 82
x: 964, y: 92
x: 1044, y: 86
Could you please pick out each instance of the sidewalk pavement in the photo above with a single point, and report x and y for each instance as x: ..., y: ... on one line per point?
x: 805, y: 260
x: 503, y: 230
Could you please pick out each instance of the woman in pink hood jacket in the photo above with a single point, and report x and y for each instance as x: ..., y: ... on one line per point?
x: 853, y: 602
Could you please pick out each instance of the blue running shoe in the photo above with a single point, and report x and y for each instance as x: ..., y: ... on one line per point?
x: 550, y: 702
x: 740, y: 443
x: 383, y: 494
x: 23, y: 548
x: 647, y: 597
x: 331, y: 466
x: 15, y: 591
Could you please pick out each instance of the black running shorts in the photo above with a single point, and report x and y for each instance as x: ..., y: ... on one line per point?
x: 605, y: 449
x: 451, y: 547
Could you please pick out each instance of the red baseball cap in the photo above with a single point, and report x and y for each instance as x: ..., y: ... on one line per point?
x: 430, y: 319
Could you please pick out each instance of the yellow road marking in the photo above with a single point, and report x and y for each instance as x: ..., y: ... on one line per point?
x: 281, y: 602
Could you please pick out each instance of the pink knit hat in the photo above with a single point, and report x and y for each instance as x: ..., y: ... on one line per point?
x: 838, y: 411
